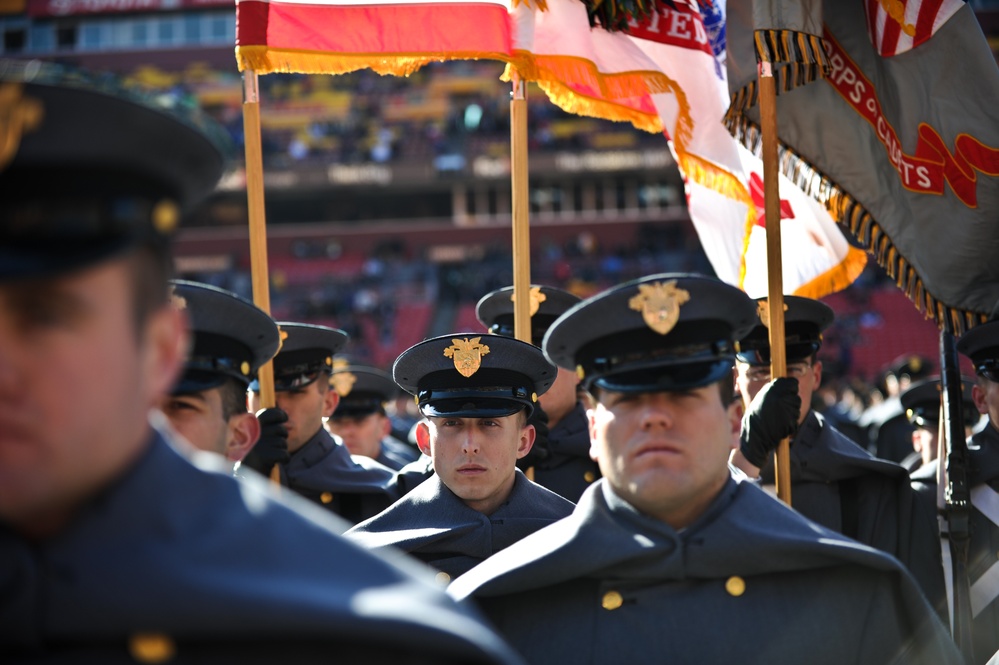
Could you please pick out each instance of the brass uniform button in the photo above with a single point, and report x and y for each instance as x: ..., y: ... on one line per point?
x: 612, y: 600
x: 443, y: 578
x: 589, y: 476
x: 151, y: 648
x: 326, y: 497
x: 735, y: 586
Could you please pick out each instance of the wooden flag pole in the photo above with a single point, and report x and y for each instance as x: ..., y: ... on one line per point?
x: 521, y: 212
x: 775, y: 275
x: 519, y: 185
x: 258, y: 228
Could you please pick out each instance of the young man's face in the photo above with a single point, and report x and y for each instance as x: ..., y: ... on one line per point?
x: 985, y: 394
x: 306, y: 407
x: 200, y: 418
x: 76, y: 383
x: 362, y: 434
x: 666, y: 453
x: 476, y: 458
x: 750, y: 380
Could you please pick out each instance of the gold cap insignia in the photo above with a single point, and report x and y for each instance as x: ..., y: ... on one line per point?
x: 151, y: 647
x: 763, y: 311
x: 282, y: 336
x: 165, y: 216
x: 535, y: 297
x: 467, y: 354
x: 659, y: 304
x: 18, y: 116
x: 343, y: 382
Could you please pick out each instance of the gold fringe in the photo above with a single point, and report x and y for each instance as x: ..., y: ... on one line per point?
x: 848, y: 212
x: 268, y: 60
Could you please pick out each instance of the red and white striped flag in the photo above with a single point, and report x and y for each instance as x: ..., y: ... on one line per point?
x: 340, y: 36
x: 897, y: 26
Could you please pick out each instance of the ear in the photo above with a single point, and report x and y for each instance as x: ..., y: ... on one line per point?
x: 244, y: 430
x: 734, y: 413
x: 527, y: 436
x: 423, y: 437
x: 329, y: 403
x: 978, y: 397
x: 165, y: 347
x: 917, y: 443
x: 386, y: 425
x: 592, y: 420
x: 817, y: 368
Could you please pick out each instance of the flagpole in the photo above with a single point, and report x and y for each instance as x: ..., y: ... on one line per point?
x: 521, y: 211
x: 775, y: 271
x: 520, y: 203
x: 258, y: 228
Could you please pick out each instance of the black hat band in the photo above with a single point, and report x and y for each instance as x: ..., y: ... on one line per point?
x: 477, y: 402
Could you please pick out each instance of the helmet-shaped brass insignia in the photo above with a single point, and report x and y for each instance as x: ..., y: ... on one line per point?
x: 343, y: 382
x: 535, y: 297
x: 659, y: 304
x: 763, y: 310
x: 467, y: 354
x: 18, y: 116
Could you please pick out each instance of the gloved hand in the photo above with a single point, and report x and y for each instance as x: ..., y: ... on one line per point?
x: 772, y: 416
x: 272, y: 446
x: 539, y: 451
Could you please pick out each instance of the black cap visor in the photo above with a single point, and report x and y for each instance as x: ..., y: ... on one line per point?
x: 478, y: 403
x: 666, y: 377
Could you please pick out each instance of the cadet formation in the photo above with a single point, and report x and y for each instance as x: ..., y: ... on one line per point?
x: 601, y: 493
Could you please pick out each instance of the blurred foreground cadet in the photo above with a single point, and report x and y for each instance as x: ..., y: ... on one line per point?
x: 667, y: 553
x: 114, y: 545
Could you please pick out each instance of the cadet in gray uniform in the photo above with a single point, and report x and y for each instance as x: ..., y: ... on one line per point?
x: 317, y: 467
x: 921, y: 402
x: 231, y: 339
x: 114, y: 546
x: 477, y: 393
x: 561, y: 453
x: 833, y: 480
x: 667, y: 557
x: 981, y: 344
x: 360, y: 420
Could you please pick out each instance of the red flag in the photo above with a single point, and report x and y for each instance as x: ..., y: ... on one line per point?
x: 339, y: 36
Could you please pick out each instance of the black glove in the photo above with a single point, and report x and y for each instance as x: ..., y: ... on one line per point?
x: 272, y: 446
x: 772, y: 416
x: 539, y: 451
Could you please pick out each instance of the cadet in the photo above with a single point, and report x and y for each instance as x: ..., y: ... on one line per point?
x: 313, y: 464
x: 889, y: 432
x: 476, y: 394
x: 833, y: 480
x: 360, y: 419
x: 667, y: 556
x: 231, y: 340
x: 981, y: 344
x: 921, y: 402
x: 561, y: 453
x: 114, y: 546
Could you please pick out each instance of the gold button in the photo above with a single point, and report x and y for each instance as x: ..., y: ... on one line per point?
x: 151, y: 647
x: 245, y: 368
x: 612, y: 600
x: 326, y: 497
x: 589, y: 476
x: 735, y: 586
x: 443, y: 578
